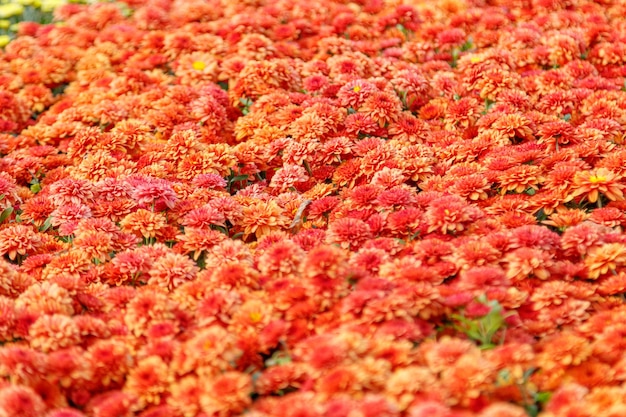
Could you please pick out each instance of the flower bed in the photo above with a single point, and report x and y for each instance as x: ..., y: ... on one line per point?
x: 314, y: 208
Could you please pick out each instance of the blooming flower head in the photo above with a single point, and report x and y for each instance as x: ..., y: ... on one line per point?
x: 148, y: 380
x: 450, y: 214
x: 21, y: 400
x: 52, y: 332
x: 353, y: 93
x: 46, y: 298
x: 144, y: 223
x: 203, y: 217
x: 209, y: 181
x: 197, y: 241
x: 226, y: 394
x: 382, y: 107
x: 153, y: 191
x: 602, y: 259
x: 262, y: 217
x: 288, y: 176
x: 19, y: 240
x: 172, y: 270
x: 348, y: 232
x: 590, y: 184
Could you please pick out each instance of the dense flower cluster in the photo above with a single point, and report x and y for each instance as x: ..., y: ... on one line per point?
x: 314, y: 208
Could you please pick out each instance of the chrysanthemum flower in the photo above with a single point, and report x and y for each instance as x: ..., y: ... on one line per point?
x: 111, y: 403
x: 144, y: 223
x: 96, y: 245
x: 353, y: 93
x: 210, y: 351
x: 279, y: 377
x: 70, y: 190
x: 172, y: 270
x: 493, y: 81
x: 262, y: 217
x: 53, y: 332
x: 409, y: 129
x: 564, y: 218
x: 226, y: 251
x: 601, y: 259
x: 404, y: 222
x: 608, y: 216
x: 203, y: 217
x: 382, y: 107
x: 107, y: 362
x: 590, y: 184
x: 280, y: 259
x: 396, y: 197
x: 450, y: 214
x: 73, y: 262
x: 21, y: 400
x: 185, y: 395
x: 462, y: 113
x: 348, y: 232
x: 212, y: 181
x: 472, y: 187
x: 287, y: 177
x: 197, y: 241
x: 46, y: 298
x: 148, y: 380
x: 151, y: 191
x: 520, y: 178
x: 226, y: 394
x: 69, y: 213
x: 19, y: 240
x: 524, y: 262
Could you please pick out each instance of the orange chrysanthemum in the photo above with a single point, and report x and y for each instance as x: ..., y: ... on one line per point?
x: 262, y: 217
x: 148, y: 380
x: 19, y: 240
x: 590, y: 184
x: 172, y: 270
x: 382, y: 107
x: 144, y: 223
x: 602, y: 259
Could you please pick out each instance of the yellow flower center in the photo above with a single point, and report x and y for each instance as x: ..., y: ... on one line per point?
x: 356, y: 88
x: 594, y: 179
x: 199, y: 65
x: 208, y: 345
x: 255, y: 316
x: 475, y: 59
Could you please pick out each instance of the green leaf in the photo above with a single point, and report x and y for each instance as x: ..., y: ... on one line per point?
x: 46, y: 225
x: 238, y: 178
x: 543, y: 397
x: 35, y: 188
x: 469, y: 44
x: 220, y: 229
x: 503, y: 376
x: 278, y: 358
x: 5, y: 214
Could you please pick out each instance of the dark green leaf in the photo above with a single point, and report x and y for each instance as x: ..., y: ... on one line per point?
x: 46, y: 225
x: 238, y: 178
x: 5, y: 214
